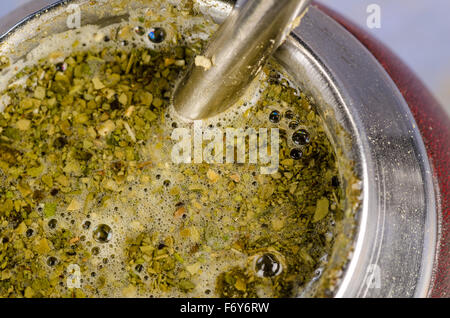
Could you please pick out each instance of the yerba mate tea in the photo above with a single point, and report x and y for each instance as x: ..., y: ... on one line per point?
x: 105, y: 192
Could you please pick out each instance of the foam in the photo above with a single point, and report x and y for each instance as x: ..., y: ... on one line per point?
x: 57, y: 47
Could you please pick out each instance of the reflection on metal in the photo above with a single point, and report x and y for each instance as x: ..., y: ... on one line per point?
x: 398, y: 219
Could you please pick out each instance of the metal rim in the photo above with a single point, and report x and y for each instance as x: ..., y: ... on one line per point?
x: 398, y: 221
x: 24, y: 14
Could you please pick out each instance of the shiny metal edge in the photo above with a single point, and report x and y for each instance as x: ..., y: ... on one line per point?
x: 22, y: 15
x: 398, y: 221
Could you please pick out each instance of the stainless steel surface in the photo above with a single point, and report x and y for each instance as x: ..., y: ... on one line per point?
x: 238, y: 51
x: 28, y: 9
x: 397, y: 220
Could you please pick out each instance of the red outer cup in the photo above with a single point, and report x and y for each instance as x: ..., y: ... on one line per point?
x: 434, y: 125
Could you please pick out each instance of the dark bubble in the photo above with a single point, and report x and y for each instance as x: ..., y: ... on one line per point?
x: 166, y: 183
x: 29, y: 232
x: 95, y: 251
x: 139, y: 30
x: 157, y: 35
x: 296, y: 154
x: 61, y: 67
x: 289, y: 114
x: 301, y: 137
x: 86, y: 225
x: 106, y: 38
x: 267, y: 265
x: 52, y: 261
x: 54, y: 192
x: 293, y: 125
x: 275, y: 116
x: 102, y: 233
x: 52, y: 223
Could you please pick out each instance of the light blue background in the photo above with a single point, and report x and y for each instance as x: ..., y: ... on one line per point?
x: 417, y: 30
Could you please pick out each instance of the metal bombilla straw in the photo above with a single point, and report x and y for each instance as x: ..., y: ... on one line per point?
x: 236, y: 54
